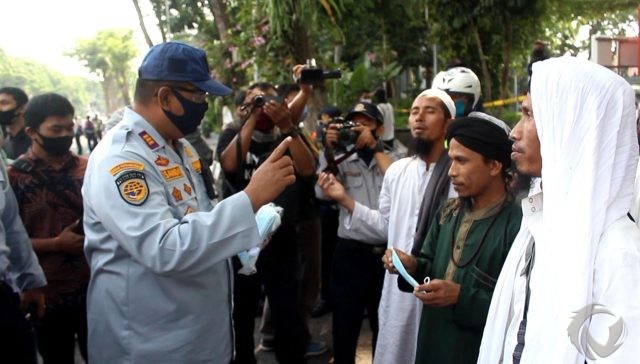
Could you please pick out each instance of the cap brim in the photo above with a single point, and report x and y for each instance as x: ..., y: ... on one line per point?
x: 351, y: 114
x: 212, y: 87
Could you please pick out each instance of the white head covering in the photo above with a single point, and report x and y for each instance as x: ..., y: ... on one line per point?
x: 443, y: 96
x: 584, y: 116
x: 491, y: 119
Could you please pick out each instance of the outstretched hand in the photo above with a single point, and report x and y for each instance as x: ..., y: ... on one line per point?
x: 272, y: 177
x: 335, y: 190
x: 438, y: 293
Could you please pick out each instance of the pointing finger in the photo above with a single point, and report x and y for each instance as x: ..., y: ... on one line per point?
x: 280, y: 150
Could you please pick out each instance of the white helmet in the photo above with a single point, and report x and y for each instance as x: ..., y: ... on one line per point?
x: 459, y: 80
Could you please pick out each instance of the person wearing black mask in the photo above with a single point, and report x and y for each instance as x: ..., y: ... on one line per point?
x: 157, y: 244
x: 47, y: 180
x: 13, y: 102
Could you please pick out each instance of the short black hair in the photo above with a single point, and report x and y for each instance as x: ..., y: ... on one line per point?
x: 44, y: 106
x: 262, y: 86
x: 17, y: 94
x: 146, y: 89
x: 239, y: 97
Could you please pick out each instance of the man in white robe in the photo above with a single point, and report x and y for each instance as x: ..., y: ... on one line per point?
x: 395, y: 220
x: 568, y: 292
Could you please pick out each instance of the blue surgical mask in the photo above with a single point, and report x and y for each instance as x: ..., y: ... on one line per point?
x: 188, y: 122
x: 460, y: 106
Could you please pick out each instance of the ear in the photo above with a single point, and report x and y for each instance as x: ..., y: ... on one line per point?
x: 31, y: 133
x: 380, y: 130
x: 22, y: 109
x: 495, y: 168
x: 164, y: 97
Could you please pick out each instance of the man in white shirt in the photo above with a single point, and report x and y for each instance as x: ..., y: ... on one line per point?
x: 568, y: 289
x: 395, y: 219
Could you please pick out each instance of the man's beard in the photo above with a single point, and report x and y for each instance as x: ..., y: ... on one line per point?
x: 420, y: 147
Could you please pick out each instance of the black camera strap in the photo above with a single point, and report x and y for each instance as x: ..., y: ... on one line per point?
x: 332, y: 162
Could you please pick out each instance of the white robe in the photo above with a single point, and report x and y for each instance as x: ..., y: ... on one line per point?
x: 586, y: 250
x: 395, y: 220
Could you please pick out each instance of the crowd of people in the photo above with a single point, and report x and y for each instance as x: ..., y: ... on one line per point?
x: 132, y: 255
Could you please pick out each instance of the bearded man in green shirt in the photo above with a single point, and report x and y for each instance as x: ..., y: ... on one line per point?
x: 466, y: 246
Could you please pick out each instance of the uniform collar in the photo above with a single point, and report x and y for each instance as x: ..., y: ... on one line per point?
x: 143, y: 129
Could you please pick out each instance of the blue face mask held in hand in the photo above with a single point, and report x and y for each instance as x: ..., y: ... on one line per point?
x: 268, y: 219
x: 397, y: 263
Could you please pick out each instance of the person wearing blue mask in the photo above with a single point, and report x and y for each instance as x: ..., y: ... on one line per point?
x: 158, y: 247
x: 463, y: 86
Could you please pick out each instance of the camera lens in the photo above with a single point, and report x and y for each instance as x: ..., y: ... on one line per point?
x: 258, y: 101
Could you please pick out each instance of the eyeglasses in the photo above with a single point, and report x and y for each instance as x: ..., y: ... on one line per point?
x: 197, y: 96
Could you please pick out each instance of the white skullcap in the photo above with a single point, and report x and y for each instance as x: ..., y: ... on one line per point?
x: 443, y: 96
x: 491, y: 119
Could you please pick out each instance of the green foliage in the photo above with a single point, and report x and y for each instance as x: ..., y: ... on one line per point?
x: 109, y: 55
x: 373, y: 41
x: 36, y: 78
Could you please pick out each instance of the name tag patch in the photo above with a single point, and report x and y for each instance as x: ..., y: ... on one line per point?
x: 133, y: 187
x: 128, y: 165
x: 173, y: 173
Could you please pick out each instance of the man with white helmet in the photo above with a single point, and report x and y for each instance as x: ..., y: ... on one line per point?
x: 463, y: 86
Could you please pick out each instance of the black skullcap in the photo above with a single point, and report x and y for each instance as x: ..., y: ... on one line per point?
x: 482, y: 137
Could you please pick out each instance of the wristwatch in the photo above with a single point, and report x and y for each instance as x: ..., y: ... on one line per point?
x: 379, y: 147
x: 293, y: 132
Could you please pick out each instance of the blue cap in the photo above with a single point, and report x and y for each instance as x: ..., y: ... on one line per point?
x: 175, y: 61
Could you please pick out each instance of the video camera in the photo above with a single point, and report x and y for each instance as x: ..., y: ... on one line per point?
x: 315, y: 76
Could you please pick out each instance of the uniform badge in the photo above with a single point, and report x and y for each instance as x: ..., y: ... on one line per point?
x: 359, y: 107
x: 162, y: 161
x: 169, y: 174
x: 133, y: 187
x: 187, y: 189
x: 188, y: 152
x: 128, y: 165
x: 189, y: 210
x: 176, y: 194
x: 151, y: 143
x: 197, y: 165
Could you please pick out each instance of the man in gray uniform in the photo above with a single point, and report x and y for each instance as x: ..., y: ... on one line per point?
x: 159, y: 250
x: 19, y: 269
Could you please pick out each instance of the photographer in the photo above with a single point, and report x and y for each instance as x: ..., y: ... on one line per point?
x: 268, y: 120
x: 356, y: 277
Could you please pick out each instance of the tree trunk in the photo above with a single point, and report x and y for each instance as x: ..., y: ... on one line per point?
x: 123, y: 84
x: 221, y: 19
x: 506, y: 59
x: 142, y: 26
x: 488, y: 85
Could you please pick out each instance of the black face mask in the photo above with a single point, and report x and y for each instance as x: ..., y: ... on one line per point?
x: 57, y: 146
x: 188, y: 122
x: 7, y: 117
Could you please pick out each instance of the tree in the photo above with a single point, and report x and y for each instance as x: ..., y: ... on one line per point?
x: 36, y: 78
x: 143, y: 27
x: 108, y: 55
